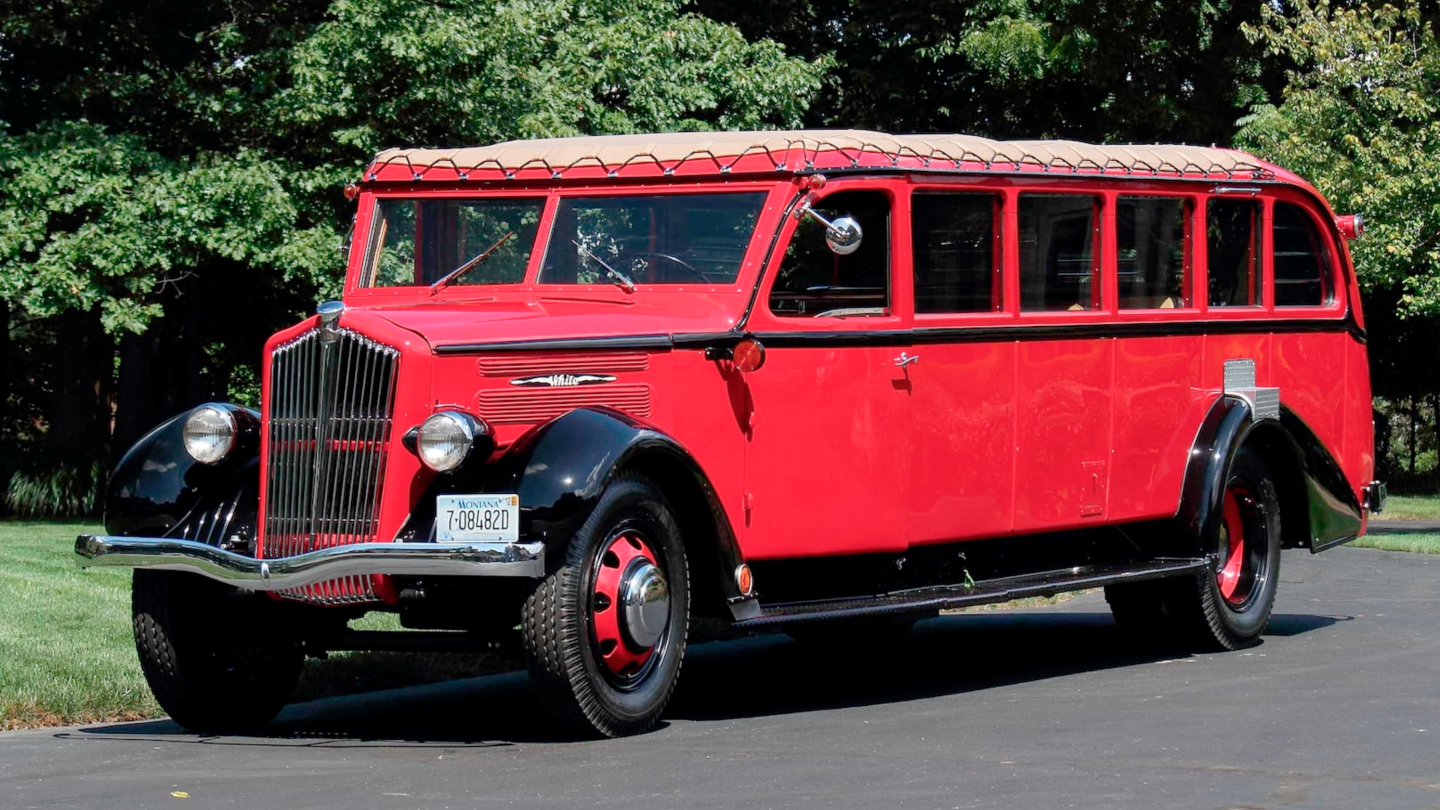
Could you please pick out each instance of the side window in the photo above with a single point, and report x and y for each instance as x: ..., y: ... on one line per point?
x: 1154, y: 257
x: 815, y: 282
x: 1232, y: 242
x: 957, y: 260
x: 1059, y: 252
x: 1302, y: 259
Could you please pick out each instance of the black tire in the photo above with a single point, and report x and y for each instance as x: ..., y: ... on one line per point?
x: 215, y: 666
x: 572, y: 680
x: 1142, y: 614
x: 1200, y: 612
x: 835, y: 633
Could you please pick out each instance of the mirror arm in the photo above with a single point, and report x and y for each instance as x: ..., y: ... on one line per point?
x: 806, y: 211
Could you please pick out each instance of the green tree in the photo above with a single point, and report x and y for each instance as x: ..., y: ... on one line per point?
x: 170, y: 172
x: 1360, y: 118
x: 1128, y: 71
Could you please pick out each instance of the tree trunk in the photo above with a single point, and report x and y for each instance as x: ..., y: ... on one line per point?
x: 79, y: 424
x: 1413, y: 424
x: 161, y: 371
x: 1435, y: 426
x: 5, y: 426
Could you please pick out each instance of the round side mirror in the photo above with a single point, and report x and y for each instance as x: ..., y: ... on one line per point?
x: 843, y: 235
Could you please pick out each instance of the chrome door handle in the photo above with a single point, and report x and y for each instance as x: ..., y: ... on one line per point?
x: 906, y: 359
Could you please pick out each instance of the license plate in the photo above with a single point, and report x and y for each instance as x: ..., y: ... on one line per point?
x: 477, y: 518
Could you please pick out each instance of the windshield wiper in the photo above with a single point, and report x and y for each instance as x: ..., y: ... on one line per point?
x: 471, y: 264
x: 616, y: 277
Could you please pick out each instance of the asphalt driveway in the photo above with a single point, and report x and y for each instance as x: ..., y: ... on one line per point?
x: 1339, y: 708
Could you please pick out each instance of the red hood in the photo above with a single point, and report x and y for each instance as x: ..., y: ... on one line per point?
x: 542, y: 318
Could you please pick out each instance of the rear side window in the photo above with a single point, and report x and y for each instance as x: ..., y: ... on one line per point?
x: 1302, y: 259
x: 956, y: 239
x: 1232, y: 242
x: 814, y: 282
x: 1153, y: 252
x: 1059, y: 256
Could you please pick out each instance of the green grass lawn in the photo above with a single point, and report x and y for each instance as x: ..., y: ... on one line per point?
x: 1420, y: 543
x: 67, y: 656
x: 1411, y: 507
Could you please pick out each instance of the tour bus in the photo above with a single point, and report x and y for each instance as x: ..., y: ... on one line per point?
x: 584, y: 391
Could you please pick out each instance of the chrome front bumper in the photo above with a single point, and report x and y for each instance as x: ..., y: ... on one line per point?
x: 283, y: 573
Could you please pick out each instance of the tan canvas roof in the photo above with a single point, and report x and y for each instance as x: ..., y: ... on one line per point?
x: 798, y: 150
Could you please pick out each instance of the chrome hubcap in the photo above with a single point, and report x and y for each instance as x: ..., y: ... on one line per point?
x: 645, y: 604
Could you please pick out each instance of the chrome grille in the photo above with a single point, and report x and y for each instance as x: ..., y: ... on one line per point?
x: 331, y: 398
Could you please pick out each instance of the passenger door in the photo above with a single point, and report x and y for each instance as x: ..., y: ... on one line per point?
x: 963, y: 428
x: 828, y: 447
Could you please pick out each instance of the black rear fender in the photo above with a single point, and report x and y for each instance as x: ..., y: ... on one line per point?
x: 1318, y: 506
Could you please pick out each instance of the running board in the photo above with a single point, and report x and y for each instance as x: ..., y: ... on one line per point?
x: 982, y: 592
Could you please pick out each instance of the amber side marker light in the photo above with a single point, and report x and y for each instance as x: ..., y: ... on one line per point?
x: 744, y: 580
x: 1352, y: 226
x: 748, y: 355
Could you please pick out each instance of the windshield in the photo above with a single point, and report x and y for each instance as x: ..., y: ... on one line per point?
x: 419, y: 242
x: 650, y: 239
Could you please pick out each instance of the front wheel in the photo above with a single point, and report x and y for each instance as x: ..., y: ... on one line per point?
x: 605, y: 634
x: 216, y: 662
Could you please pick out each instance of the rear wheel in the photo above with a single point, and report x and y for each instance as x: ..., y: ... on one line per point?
x: 214, y: 666
x: 1227, y: 607
x: 605, y: 634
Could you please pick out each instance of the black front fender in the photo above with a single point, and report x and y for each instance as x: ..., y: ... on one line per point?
x: 561, y: 468
x: 158, y: 490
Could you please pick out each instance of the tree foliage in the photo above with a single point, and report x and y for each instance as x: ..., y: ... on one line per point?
x: 170, y: 170
x: 160, y: 161
x: 1128, y: 70
x: 1360, y: 118
x: 407, y: 72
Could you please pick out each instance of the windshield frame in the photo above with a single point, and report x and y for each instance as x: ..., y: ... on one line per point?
x: 778, y: 192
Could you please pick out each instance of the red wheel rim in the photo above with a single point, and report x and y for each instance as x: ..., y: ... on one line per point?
x: 1236, y: 575
x: 616, y: 655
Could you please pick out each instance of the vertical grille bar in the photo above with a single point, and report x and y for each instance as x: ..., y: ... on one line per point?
x: 331, y: 397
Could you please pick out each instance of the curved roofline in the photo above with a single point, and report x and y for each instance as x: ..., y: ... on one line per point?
x: 712, y: 154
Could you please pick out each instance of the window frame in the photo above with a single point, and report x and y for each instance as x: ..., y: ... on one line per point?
x: 548, y: 224
x: 777, y: 197
x: 1102, y: 286
x: 900, y: 316
x: 999, y: 299
x: 366, y: 222
x: 1203, y: 292
x: 1189, y: 264
x: 1327, y: 261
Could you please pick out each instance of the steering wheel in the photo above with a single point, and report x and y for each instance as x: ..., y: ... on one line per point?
x: 667, y: 257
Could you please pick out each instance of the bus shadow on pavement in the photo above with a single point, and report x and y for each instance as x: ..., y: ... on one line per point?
x: 725, y: 680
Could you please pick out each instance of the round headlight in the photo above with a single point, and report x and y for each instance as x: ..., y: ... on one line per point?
x: 445, y: 439
x: 209, y: 433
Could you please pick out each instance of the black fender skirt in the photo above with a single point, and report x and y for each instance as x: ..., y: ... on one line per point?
x: 1308, y: 477
x: 158, y: 490
x: 559, y: 470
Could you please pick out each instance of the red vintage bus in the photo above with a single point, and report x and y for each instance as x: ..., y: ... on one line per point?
x: 830, y: 382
